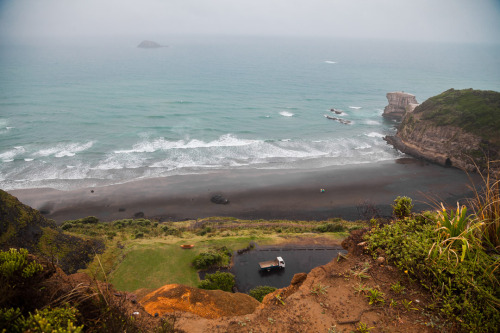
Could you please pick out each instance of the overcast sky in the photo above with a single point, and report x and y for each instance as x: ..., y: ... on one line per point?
x: 435, y: 20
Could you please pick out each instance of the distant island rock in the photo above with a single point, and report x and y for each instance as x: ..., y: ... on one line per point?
x: 457, y: 128
x: 147, y: 44
x: 399, y: 103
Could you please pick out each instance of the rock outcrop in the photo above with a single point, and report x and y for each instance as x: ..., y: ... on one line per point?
x: 399, y: 104
x: 458, y: 128
x: 147, y: 44
x: 204, y: 303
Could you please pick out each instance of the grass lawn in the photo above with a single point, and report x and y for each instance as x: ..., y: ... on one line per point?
x: 154, y: 265
x: 151, y: 263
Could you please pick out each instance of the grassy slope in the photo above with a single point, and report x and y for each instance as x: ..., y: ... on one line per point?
x: 475, y: 111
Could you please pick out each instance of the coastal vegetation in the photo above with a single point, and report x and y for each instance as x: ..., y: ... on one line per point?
x: 218, y: 281
x: 453, y: 254
x: 260, y: 291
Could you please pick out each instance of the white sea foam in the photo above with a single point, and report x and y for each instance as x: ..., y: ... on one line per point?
x: 109, y: 165
x: 64, y: 149
x: 330, y: 62
x: 226, y: 140
x: 286, y: 114
x: 375, y: 135
x: 372, y: 122
x: 196, y: 155
x: 355, y: 107
x: 29, y: 159
x: 9, y: 155
x: 363, y: 146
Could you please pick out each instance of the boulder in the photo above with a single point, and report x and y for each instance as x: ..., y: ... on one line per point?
x: 219, y: 199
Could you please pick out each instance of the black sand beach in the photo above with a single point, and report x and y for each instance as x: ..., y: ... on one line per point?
x: 261, y: 194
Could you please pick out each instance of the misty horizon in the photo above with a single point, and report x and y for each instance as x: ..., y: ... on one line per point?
x: 446, y: 21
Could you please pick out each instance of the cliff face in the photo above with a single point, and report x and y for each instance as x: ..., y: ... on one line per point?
x: 399, y: 104
x: 455, y: 128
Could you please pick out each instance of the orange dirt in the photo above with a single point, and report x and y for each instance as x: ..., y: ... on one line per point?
x: 204, y: 303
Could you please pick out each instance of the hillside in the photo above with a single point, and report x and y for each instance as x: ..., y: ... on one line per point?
x: 24, y: 227
x: 458, y: 128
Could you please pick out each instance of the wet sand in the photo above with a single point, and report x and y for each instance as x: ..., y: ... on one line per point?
x: 260, y: 194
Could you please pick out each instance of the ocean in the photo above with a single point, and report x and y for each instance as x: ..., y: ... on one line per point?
x: 93, y: 113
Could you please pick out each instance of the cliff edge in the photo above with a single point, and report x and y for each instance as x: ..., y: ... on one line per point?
x: 458, y: 128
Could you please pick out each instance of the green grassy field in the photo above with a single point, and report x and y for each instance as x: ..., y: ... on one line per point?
x: 154, y: 265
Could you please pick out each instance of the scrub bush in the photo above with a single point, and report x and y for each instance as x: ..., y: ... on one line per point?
x: 260, y: 292
x: 219, y: 280
x: 402, y: 207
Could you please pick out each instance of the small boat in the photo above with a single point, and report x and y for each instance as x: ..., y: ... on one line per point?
x: 187, y: 246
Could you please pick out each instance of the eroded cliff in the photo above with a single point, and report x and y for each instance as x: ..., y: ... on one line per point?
x: 459, y: 128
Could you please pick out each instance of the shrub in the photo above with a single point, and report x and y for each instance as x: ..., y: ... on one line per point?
x: 171, y: 231
x: 15, y: 264
x: 207, y: 259
x: 330, y: 227
x: 142, y: 222
x: 61, y: 320
x: 89, y: 220
x: 259, y: 292
x: 53, y: 320
x: 402, y: 207
x: 204, y: 231
x: 219, y: 280
x: 67, y: 225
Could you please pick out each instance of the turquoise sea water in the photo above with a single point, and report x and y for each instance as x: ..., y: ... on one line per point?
x: 96, y: 113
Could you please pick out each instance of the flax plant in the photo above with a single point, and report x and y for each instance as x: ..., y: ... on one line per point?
x: 455, y: 228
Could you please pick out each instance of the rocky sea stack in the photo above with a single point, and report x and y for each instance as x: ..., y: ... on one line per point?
x: 147, y: 44
x: 399, y: 103
x: 458, y: 128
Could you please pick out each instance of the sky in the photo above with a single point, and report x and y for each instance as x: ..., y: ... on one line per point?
x: 422, y: 20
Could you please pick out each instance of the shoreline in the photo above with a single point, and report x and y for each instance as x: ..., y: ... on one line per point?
x: 261, y: 194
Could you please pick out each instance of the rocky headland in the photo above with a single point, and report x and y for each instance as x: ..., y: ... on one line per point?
x: 458, y: 128
x: 399, y: 103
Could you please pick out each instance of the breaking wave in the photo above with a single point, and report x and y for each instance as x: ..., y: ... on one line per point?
x: 286, y: 114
